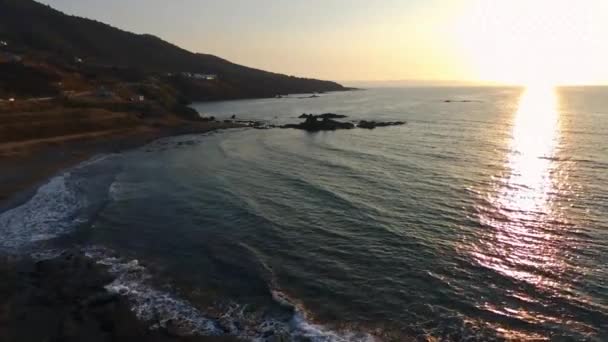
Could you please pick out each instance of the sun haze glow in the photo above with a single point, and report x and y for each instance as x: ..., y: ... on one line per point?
x: 535, y: 42
x: 499, y: 41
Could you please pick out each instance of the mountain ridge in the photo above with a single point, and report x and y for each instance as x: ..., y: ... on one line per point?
x: 31, y: 26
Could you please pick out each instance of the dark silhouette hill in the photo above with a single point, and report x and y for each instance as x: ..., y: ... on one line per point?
x: 33, y: 27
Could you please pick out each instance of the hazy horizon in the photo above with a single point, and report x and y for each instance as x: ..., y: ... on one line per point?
x: 472, y: 41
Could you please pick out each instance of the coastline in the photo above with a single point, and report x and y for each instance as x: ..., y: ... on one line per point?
x: 67, y: 292
x: 65, y: 299
x: 27, y: 165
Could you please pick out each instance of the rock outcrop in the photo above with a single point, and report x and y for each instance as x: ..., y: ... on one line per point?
x: 373, y: 124
x: 313, y: 124
x: 324, y: 122
x: 322, y: 116
x: 64, y: 299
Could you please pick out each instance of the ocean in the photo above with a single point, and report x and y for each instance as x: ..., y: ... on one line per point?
x: 485, y: 217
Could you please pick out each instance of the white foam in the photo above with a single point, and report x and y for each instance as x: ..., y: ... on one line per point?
x: 59, y: 206
x: 301, y: 328
x: 160, y: 307
x: 96, y: 159
x: 149, y: 304
x: 50, y: 212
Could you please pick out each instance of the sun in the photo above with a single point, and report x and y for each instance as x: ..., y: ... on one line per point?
x: 535, y: 43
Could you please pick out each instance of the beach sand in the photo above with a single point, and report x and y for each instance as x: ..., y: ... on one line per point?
x: 25, y: 165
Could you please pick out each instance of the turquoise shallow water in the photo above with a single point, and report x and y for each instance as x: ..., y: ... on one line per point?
x: 483, y: 218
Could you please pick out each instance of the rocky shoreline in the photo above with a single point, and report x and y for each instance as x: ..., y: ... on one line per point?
x: 64, y: 299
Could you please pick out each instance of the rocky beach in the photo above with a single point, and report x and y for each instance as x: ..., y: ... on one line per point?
x: 64, y: 298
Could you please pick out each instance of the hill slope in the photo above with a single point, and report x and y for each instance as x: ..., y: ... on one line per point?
x: 32, y: 26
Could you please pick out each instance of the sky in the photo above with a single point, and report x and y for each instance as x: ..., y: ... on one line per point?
x: 498, y: 41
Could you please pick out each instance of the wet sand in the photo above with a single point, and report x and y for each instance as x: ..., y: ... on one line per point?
x: 26, y: 165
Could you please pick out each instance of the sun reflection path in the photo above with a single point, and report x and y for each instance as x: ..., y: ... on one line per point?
x: 525, y: 236
x: 535, y: 138
x: 520, y: 204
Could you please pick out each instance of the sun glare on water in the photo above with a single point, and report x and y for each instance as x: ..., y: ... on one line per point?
x: 521, y: 201
x: 521, y: 219
x: 533, y: 145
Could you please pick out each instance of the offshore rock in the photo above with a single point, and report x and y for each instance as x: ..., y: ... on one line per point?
x: 322, y: 116
x: 373, y: 124
x: 312, y: 124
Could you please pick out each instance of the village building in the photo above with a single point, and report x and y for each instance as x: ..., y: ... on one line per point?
x: 137, y: 98
x: 206, y: 77
x: 200, y: 76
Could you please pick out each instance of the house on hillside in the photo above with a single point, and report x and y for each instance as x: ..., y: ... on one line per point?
x: 137, y: 98
x: 206, y: 77
x: 200, y: 76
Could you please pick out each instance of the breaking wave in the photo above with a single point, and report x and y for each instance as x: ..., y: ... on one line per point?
x: 59, y: 206
x: 162, y: 309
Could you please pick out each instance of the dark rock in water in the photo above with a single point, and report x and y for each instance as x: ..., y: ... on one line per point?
x: 460, y: 101
x: 64, y: 299
x: 256, y: 124
x: 373, y: 124
x: 314, y: 96
x: 323, y: 116
x: 332, y: 116
x: 312, y: 124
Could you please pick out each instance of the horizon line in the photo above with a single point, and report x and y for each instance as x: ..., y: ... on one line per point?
x: 430, y: 82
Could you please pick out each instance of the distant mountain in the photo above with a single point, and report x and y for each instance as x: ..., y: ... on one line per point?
x: 31, y: 26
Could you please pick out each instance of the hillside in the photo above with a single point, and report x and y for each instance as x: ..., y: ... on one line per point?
x: 31, y: 27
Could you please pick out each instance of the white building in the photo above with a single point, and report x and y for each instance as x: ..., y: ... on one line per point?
x: 207, y: 77
x: 198, y: 76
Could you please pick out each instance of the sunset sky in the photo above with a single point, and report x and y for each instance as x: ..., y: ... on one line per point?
x: 504, y: 41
